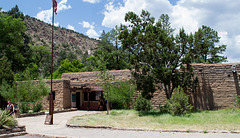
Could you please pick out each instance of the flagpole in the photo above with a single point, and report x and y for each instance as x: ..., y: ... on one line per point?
x: 51, y: 95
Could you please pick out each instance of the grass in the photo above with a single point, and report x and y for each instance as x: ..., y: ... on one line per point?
x: 226, y: 119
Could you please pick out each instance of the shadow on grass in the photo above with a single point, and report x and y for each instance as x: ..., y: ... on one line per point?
x: 153, y: 112
x: 163, y: 111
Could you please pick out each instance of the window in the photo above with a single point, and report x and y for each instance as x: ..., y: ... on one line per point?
x: 74, y: 97
x: 93, y: 96
x: 98, y: 95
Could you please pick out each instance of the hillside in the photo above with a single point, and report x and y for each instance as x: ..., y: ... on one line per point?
x: 64, y: 39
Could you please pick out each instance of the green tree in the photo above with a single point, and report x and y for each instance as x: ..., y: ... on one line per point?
x: 15, y: 13
x: 12, y: 43
x: 65, y: 55
x: 66, y: 67
x: 111, y: 50
x: 206, y: 49
x: 39, y: 54
x: 30, y: 73
x: 40, y: 61
x: 92, y: 63
x: 105, y: 80
x: 163, y: 23
x: 6, y: 72
x: 156, y: 54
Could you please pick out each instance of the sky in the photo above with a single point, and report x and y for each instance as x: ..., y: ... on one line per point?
x: 91, y: 17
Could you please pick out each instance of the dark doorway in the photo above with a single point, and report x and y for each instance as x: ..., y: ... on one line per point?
x: 78, y: 100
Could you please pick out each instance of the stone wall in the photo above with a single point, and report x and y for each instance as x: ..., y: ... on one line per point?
x: 62, y: 95
x: 67, y: 98
x: 159, y: 98
x: 216, y: 89
x: 217, y: 86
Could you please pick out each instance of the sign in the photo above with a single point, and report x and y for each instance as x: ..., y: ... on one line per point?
x: 48, y: 120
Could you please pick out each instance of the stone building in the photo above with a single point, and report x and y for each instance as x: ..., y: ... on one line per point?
x: 217, y: 87
x: 80, y: 90
x: 218, y: 84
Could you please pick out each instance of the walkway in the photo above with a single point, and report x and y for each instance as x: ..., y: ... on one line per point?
x: 35, y: 125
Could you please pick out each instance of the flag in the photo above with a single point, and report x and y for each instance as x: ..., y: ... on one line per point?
x: 55, y: 6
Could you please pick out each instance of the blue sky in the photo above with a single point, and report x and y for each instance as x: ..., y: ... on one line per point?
x: 90, y: 17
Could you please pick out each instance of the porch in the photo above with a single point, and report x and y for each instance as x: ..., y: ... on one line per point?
x: 86, y: 98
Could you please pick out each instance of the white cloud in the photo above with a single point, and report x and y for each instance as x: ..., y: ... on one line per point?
x: 46, y: 15
x: 86, y: 25
x: 92, y: 1
x: 63, y: 6
x: 221, y: 15
x: 56, y: 24
x: 184, y: 17
x: 91, y: 31
x: 114, y: 14
x: 70, y: 27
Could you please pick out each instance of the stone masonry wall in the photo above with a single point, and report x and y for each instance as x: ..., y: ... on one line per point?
x: 159, y: 98
x: 66, y: 95
x: 62, y: 95
x: 216, y: 89
x: 217, y: 86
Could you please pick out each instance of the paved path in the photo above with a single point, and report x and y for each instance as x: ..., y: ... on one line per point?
x: 35, y: 125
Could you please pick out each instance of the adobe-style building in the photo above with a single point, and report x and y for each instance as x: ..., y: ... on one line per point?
x: 81, y: 90
x: 218, y: 84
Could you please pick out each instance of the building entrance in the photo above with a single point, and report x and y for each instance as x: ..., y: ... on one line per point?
x: 78, y: 103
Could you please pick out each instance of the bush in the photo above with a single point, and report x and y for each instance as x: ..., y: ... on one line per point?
x: 121, y: 94
x: 37, y: 107
x: 163, y: 109
x: 24, y: 91
x: 142, y: 104
x: 178, y: 104
x: 6, y: 120
x: 237, y: 101
x: 24, y: 108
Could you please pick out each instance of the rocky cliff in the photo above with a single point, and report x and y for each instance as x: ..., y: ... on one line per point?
x: 64, y: 39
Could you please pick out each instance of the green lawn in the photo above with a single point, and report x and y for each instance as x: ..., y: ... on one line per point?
x: 227, y: 119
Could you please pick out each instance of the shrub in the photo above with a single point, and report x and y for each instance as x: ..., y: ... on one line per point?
x: 24, y: 91
x: 142, y: 104
x: 237, y: 101
x: 163, y: 109
x: 37, y: 107
x: 120, y: 94
x: 178, y: 104
x: 24, y: 108
x: 6, y: 120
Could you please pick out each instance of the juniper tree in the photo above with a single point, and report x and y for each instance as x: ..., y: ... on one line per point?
x: 156, y: 54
